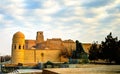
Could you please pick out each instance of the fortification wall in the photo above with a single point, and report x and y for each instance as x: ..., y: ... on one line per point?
x: 55, y: 43
x: 69, y: 45
x: 86, y: 47
x: 41, y: 51
x: 29, y: 56
x: 48, y: 55
x: 35, y: 56
x: 29, y: 44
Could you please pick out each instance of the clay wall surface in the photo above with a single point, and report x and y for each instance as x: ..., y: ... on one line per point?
x: 86, y: 47
x: 29, y: 44
x: 48, y: 55
x: 54, y: 43
x: 29, y: 56
x: 70, y: 45
x: 17, y: 56
x: 38, y: 55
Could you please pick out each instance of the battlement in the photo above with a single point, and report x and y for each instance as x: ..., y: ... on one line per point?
x: 69, y: 40
x: 55, y: 39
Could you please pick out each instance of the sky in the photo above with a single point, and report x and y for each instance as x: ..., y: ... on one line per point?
x: 83, y: 20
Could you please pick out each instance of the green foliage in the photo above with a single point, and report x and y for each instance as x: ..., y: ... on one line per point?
x: 5, y: 58
x: 108, y: 50
x: 78, y: 54
x: 79, y: 47
x: 94, y: 51
x: 79, y: 50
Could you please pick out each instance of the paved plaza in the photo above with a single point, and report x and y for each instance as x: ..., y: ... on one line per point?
x: 88, y: 69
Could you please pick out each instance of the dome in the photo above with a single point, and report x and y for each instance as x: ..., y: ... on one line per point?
x: 18, y: 35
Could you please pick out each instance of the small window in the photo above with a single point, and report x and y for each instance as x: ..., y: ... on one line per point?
x: 15, y: 47
x: 23, y: 46
x: 19, y: 46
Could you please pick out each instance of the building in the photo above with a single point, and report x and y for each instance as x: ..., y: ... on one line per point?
x: 34, y: 51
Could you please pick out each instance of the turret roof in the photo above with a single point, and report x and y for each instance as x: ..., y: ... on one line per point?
x: 19, y: 34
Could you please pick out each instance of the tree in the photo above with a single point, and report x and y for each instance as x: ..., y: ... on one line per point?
x: 117, y: 59
x: 5, y: 58
x: 79, y: 55
x: 65, y: 53
x: 79, y: 47
x: 94, y: 52
x: 109, y: 48
x: 79, y: 50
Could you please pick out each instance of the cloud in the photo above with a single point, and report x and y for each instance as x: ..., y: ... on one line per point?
x: 50, y: 3
x: 1, y: 16
x: 71, y: 2
x: 68, y: 19
x: 14, y: 7
x: 97, y: 3
x: 48, y: 7
x: 33, y: 4
x: 47, y: 11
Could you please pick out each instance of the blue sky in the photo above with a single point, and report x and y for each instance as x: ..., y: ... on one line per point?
x: 83, y: 20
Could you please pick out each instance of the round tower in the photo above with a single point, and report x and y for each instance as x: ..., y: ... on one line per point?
x: 18, y: 46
